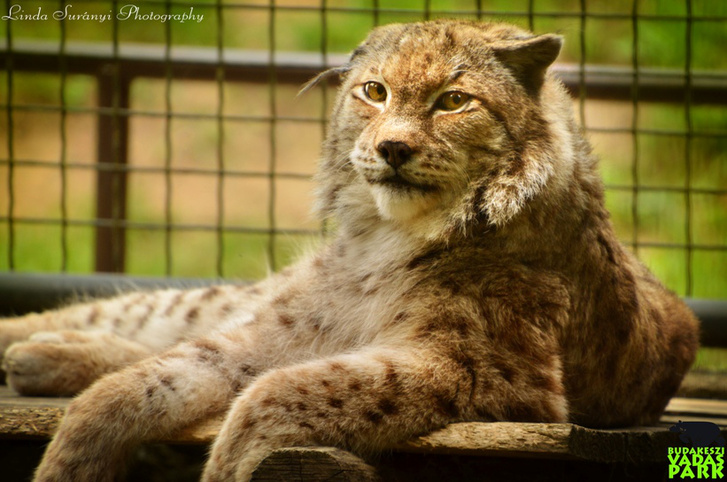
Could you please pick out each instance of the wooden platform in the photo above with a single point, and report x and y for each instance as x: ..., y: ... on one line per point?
x: 514, y: 445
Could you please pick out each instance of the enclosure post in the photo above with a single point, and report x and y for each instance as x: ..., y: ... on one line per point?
x: 113, y: 133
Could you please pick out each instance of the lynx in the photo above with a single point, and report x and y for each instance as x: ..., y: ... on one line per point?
x: 474, y: 276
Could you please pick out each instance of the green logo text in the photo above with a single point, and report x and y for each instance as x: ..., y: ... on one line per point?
x: 696, y: 463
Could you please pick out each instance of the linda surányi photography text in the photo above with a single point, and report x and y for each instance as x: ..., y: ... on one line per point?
x: 124, y: 13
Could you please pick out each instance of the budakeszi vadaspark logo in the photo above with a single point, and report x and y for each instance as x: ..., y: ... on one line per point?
x: 702, y: 456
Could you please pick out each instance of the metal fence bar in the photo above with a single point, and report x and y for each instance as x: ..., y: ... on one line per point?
x: 111, y: 184
x: 531, y: 15
x: 154, y: 170
x: 113, y: 133
x: 325, y: 54
x: 634, y: 128
x: 168, y: 145
x: 195, y: 116
x: 688, y: 148
x: 107, y: 223
x: 324, y: 85
x: 713, y: 134
x: 582, y: 66
x: 10, y: 68
x: 601, y: 82
x: 220, y: 188
x: 273, y: 106
x: 64, y: 145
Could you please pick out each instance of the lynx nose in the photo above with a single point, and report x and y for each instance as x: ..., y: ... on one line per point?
x: 395, y: 153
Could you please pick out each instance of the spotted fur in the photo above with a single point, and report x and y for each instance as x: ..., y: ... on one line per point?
x: 474, y: 276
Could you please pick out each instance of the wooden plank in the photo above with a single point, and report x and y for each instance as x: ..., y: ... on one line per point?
x: 700, y: 384
x: 150, y: 60
x: 38, y: 418
x: 35, y: 422
x: 504, y: 439
x: 29, y: 417
x: 697, y: 406
x: 8, y: 398
x: 667, y: 420
x: 317, y: 463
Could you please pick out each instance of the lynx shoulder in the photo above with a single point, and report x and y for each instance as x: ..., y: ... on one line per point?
x: 474, y: 276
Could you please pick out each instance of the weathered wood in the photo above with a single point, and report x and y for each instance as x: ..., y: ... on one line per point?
x: 700, y: 384
x: 628, y: 445
x: 506, y: 439
x: 38, y: 418
x: 692, y: 409
x: 313, y: 464
x: 696, y: 406
x: 29, y: 422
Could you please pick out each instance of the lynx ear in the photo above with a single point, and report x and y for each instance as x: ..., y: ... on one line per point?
x: 528, y: 59
x: 323, y: 76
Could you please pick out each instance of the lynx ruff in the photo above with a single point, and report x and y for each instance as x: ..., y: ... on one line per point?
x: 474, y: 276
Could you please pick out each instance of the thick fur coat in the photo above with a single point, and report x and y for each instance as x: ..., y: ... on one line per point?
x: 474, y: 275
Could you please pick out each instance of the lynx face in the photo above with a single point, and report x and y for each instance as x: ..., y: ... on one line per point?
x: 410, y: 151
x: 443, y: 127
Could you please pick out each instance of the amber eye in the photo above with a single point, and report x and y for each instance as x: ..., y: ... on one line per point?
x: 452, y: 100
x: 375, y: 91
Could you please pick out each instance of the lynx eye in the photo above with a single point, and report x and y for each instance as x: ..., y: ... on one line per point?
x: 375, y: 91
x: 451, y: 101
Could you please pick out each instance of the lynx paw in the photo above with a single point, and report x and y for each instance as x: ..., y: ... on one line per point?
x: 12, y: 331
x: 64, y: 363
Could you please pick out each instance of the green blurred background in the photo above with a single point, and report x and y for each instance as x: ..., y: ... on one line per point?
x: 661, y: 148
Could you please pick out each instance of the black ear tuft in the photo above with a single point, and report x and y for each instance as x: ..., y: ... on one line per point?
x: 322, y: 76
x: 528, y: 59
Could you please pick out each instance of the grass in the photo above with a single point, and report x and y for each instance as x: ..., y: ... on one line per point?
x: 711, y: 359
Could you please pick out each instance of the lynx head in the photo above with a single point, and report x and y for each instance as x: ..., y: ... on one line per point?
x: 441, y: 121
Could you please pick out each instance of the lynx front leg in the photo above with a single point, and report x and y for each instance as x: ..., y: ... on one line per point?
x: 147, y: 400
x: 362, y: 402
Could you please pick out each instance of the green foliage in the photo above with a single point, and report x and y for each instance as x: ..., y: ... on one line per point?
x: 711, y: 359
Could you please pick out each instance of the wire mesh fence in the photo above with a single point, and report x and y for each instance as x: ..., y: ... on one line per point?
x: 164, y: 137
